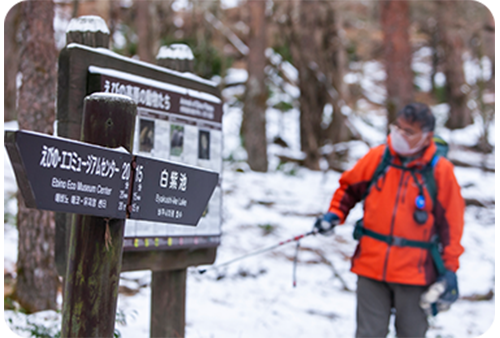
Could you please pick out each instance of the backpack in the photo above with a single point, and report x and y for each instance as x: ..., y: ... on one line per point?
x: 442, y: 146
x: 428, y: 176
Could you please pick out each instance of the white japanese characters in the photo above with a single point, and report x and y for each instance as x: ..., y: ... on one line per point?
x: 172, y: 181
x: 76, y: 192
x: 52, y: 157
x: 69, y: 160
x: 177, y: 181
x: 146, y: 97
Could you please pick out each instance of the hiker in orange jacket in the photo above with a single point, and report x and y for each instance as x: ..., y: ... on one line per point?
x: 409, y: 237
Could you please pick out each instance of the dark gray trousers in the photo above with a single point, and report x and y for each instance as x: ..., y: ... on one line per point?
x: 375, y: 303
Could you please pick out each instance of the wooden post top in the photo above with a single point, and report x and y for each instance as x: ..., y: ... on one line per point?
x: 89, y: 30
x: 177, y: 56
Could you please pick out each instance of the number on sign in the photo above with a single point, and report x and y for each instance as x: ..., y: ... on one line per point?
x: 125, y: 171
x: 139, y: 175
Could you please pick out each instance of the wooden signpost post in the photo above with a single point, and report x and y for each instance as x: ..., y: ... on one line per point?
x: 153, y: 205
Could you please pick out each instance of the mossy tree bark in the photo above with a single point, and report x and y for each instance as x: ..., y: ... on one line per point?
x: 37, y: 280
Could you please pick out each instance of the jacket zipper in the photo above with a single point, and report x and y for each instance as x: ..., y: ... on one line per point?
x: 405, y: 186
x: 421, y: 261
x: 384, y: 274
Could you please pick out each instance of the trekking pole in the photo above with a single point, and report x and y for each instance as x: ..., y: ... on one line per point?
x: 295, y: 264
x: 293, y: 239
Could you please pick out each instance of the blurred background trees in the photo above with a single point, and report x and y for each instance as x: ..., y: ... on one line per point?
x: 322, y: 48
x: 323, y: 40
x: 312, y: 32
x: 11, y: 62
x: 253, y: 126
x: 395, y: 23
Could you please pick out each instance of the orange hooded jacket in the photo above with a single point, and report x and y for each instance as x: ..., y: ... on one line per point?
x: 388, y: 210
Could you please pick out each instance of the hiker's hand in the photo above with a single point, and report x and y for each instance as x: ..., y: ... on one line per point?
x: 441, y: 294
x: 326, y: 223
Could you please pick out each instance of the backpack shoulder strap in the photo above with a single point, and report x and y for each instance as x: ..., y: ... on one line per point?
x: 430, y: 180
x: 427, y: 173
x: 383, y: 164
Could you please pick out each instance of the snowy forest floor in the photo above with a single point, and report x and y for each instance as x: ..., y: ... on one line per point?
x: 255, y: 297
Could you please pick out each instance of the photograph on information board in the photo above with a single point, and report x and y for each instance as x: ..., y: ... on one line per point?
x: 147, y: 135
x: 204, y: 145
x: 176, y: 140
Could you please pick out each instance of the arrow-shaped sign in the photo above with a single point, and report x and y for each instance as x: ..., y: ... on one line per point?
x: 69, y: 176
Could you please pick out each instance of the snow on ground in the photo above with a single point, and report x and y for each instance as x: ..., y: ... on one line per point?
x: 255, y: 297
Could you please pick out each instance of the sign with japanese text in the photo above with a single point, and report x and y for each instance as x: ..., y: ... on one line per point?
x: 159, y: 96
x: 68, y: 176
x: 169, y: 192
x: 179, y: 120
x: 177, y: 124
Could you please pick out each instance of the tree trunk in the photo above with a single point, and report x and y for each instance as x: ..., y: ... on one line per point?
x: 435, y: 62
x: 311, y: 109
x: 37, y: 279
x: 315, y: 47
x: 312, y: 99
x: 395, y: 21
x: 336, y: 65
x: 143, y: 27
x: 489, y: 46
x: 166, y: 26
x: 162, y: 23
x: 453, y: 46
x: 254, y: 111
x: 485, y: 36
x: 11, y: 62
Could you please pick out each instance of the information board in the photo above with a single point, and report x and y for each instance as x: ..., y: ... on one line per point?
x: 179, y: 120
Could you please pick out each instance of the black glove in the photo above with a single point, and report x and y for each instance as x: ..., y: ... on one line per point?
x: 441, y: 294
x: 326, y: 223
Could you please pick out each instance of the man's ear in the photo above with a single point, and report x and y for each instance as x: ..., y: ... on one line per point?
x: 429, y: 137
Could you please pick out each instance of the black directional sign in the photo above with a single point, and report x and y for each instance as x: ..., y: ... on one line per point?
x: 68, y: 176
x: 169, y: 192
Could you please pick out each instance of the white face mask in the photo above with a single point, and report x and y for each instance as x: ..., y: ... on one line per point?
x: 401, y: 146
